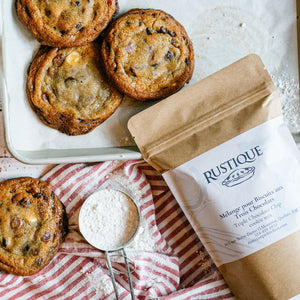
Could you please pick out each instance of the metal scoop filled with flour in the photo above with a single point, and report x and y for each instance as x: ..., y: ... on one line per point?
x: 109, y: 220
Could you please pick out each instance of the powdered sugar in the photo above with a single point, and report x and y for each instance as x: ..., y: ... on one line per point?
x: 108, y: 219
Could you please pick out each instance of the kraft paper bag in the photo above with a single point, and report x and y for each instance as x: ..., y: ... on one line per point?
x: 231, y: 163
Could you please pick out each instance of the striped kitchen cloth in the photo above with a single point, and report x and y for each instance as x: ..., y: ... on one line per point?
x: 177, y: 267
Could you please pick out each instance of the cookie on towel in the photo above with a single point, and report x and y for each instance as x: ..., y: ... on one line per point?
x: 66, y: 23
x: 68, y: 90
x: 33, y: 224
x: 147, y: 54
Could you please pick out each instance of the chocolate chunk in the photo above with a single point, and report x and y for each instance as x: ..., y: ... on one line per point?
x: 63, y: 32
x: 148, y: 30
x: 78, y: 25
x: 162, y: 29
x: 155, y: 65
x: 35, y: 251
x: 38, y: 262
x: 46, y: 237
x: 169, y: 56
x: 45, y: 97
x: 132, y: 71
x: 16, y: 223
x: 70, y: 80
x: 37, y: 195
x: 24, y: 202
x: 4, y: 242
x: 58, y: 60
x: 17, y: 198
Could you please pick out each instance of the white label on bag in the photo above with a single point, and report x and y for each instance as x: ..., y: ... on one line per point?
x: 244, y: 194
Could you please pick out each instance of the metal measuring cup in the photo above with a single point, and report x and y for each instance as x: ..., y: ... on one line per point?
x: 121, y: 248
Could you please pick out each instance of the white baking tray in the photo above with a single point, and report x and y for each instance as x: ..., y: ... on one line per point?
x: 222, y: 32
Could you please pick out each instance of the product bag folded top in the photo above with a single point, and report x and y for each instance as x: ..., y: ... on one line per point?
x: 233, y: 166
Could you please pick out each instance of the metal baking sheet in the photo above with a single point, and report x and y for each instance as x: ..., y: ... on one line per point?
x: 222, y: 32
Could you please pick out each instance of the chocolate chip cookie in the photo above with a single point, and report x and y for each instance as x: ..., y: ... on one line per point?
x: 68, y: 90
x: 147, y: 54
x: 66, y: 23
x: 33, y: 224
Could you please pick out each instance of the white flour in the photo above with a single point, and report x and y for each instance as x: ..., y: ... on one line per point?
x: 144, y: 238
x: 98, y: 283
x: 288, y: 89
x: 108, y: 219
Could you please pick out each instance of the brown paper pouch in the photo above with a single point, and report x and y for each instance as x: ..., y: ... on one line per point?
x: 233, y: 166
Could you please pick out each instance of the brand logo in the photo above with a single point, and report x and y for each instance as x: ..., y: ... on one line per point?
x: 238, y: 175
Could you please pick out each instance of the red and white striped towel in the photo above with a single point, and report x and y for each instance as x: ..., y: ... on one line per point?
x: 181, y: 269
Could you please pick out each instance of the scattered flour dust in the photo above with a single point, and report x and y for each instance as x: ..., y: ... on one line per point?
x: 108, y: 219
x: 288, y: 89
x: 100, y: 284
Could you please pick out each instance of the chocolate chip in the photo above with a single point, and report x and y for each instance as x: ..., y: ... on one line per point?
x: 63, y: 32
x: 58, y: 60
x: 16, y: 198
x: 169, y: 56
x: 38, y: 262
x: 148, y: 30
x: 53, y: 209
x: 52, y: 195
x: 46, y: 237
x: 54, y: 27
x: 37, y: 195
x: 48, y: 13
x: 127, y: 23
x: 77, y: 3
x: 162, y: 29
x: 173, y: 33
x: 139, y: 23
x: 81, y: 29
x: 107, y: 47
x: 45, y: 97
x: 78, y: 25
x: 4, y: 242
x: 70, y: 80
x: 187, y: 61
x: 35, y: 251
x: 16, y: 223
x: 24, y: 202
x: 155, y: 65
x: 132, y: 71
x: 26, y: 248
x: 185, y: 40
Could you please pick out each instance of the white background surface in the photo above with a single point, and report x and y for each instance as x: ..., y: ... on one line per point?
x: 222, y: 32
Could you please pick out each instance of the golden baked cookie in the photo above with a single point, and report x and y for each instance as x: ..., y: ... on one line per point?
x: 66, y: 23
x: 33, y: 224
x: 147, y: 54
x: 68, y: 91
